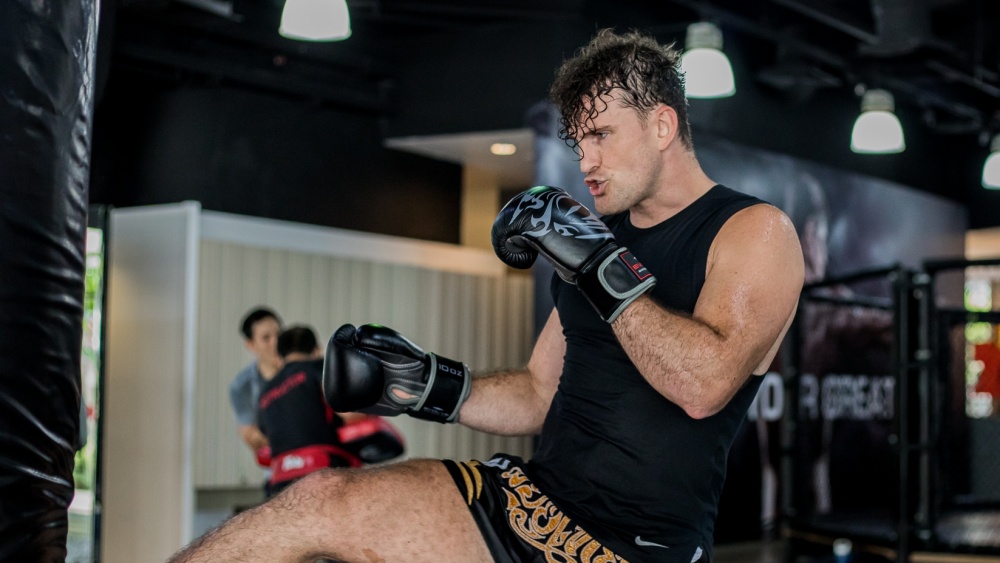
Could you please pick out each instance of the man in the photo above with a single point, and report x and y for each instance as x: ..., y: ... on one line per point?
x: 637, y: 383
x: 260, y: 328
x: 300, y: 427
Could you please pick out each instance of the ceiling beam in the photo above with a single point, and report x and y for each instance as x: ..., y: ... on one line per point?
x: 371, y: 100
x: 830, y: 19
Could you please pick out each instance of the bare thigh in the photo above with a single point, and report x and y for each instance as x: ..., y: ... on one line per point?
x: 408, y: 512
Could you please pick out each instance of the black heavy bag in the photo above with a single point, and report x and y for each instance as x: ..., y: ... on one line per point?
x: 46, y: 68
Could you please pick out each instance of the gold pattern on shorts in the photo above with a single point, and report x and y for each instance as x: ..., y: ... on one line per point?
x: 539, y: 523
x: 473, y: 480
x: 468, y: 482
x: 476, y: 476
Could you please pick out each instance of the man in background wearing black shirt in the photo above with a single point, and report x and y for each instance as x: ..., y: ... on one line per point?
x: 300, y: 427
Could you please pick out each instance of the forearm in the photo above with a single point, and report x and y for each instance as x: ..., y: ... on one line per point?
x: 505, y: 403
x: 253, y: 437
x: 514, y: 403
x: 686, y: 360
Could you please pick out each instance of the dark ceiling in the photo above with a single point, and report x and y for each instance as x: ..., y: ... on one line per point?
x: 940, y: 55
x: 427, y: 67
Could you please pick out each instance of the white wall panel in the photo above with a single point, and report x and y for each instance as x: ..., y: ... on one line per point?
x: 147, y: 445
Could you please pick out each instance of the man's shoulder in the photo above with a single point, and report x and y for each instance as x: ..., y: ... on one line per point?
x: 724, y: 195
x: 309, y: 367
x: 246, y: 375
x: 300, y: 366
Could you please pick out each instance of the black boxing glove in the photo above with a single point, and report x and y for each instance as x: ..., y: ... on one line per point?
x: 548, y: 221
x: 375, y: 370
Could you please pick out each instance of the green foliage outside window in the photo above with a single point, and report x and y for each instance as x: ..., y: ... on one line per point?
x: 85, y: 459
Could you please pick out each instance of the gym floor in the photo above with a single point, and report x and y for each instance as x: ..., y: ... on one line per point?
x: 774, y: 551
x: 766, y: 551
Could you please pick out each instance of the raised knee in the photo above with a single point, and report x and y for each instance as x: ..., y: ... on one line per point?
x: 323, y: 485
x: 315, y: 498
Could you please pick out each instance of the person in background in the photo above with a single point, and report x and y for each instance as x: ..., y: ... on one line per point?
x: 300, y: 428
x: 260, y: 328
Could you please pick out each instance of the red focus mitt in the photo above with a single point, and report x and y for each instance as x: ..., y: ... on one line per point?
x: 264, y: 456
x: 372, y: 439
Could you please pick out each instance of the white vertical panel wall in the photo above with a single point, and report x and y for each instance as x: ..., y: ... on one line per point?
x: 147, y: 493
x: 466, y: 306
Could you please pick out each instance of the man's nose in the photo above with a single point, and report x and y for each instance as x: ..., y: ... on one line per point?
x: 588, y: 160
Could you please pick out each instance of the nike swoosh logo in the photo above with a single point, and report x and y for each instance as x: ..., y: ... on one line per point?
x: 642, y: 543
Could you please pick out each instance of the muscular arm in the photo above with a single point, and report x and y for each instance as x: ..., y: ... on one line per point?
x: 514, y: 403
x: 752, y: 284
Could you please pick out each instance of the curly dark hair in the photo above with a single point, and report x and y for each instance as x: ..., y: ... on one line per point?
x: 646, y: 72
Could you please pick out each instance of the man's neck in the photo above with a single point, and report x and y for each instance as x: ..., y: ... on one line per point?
x: 297, y: 357
x: 686, y: 183
x: 267, y: 371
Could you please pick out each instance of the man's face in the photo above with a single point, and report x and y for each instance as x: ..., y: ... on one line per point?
x: 264, y: 342
x: 619, y: 156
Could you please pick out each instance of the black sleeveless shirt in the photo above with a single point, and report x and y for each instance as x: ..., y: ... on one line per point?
x: 621, y: 460
x: 293, y: 413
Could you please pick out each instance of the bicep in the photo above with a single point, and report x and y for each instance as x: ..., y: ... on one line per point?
x: 240, y: 393
x: 244, y: 409
x: 546, y: 362
x: 236, y: 392
x: 752, y: 284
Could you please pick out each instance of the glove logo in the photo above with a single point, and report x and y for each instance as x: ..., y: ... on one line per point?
x: 580, y: 223
x: 634, y: 265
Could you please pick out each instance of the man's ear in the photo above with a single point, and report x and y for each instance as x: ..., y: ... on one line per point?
x: 665, y: 121
x: 249, y: 344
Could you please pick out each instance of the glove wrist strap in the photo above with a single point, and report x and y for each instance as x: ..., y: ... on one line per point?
x: 617, y: 281
x: 447, y: 387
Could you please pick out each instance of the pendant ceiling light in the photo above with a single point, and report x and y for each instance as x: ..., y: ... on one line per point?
x: 991, y: 170
x: 315, y: 20
x: 877, y: 130
x: 707, y: 72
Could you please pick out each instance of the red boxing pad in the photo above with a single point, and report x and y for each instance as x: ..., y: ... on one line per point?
x: 264, y: 456
x: 372, y: 439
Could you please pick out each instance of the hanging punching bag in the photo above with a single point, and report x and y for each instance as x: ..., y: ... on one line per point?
x: 46, y: 69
